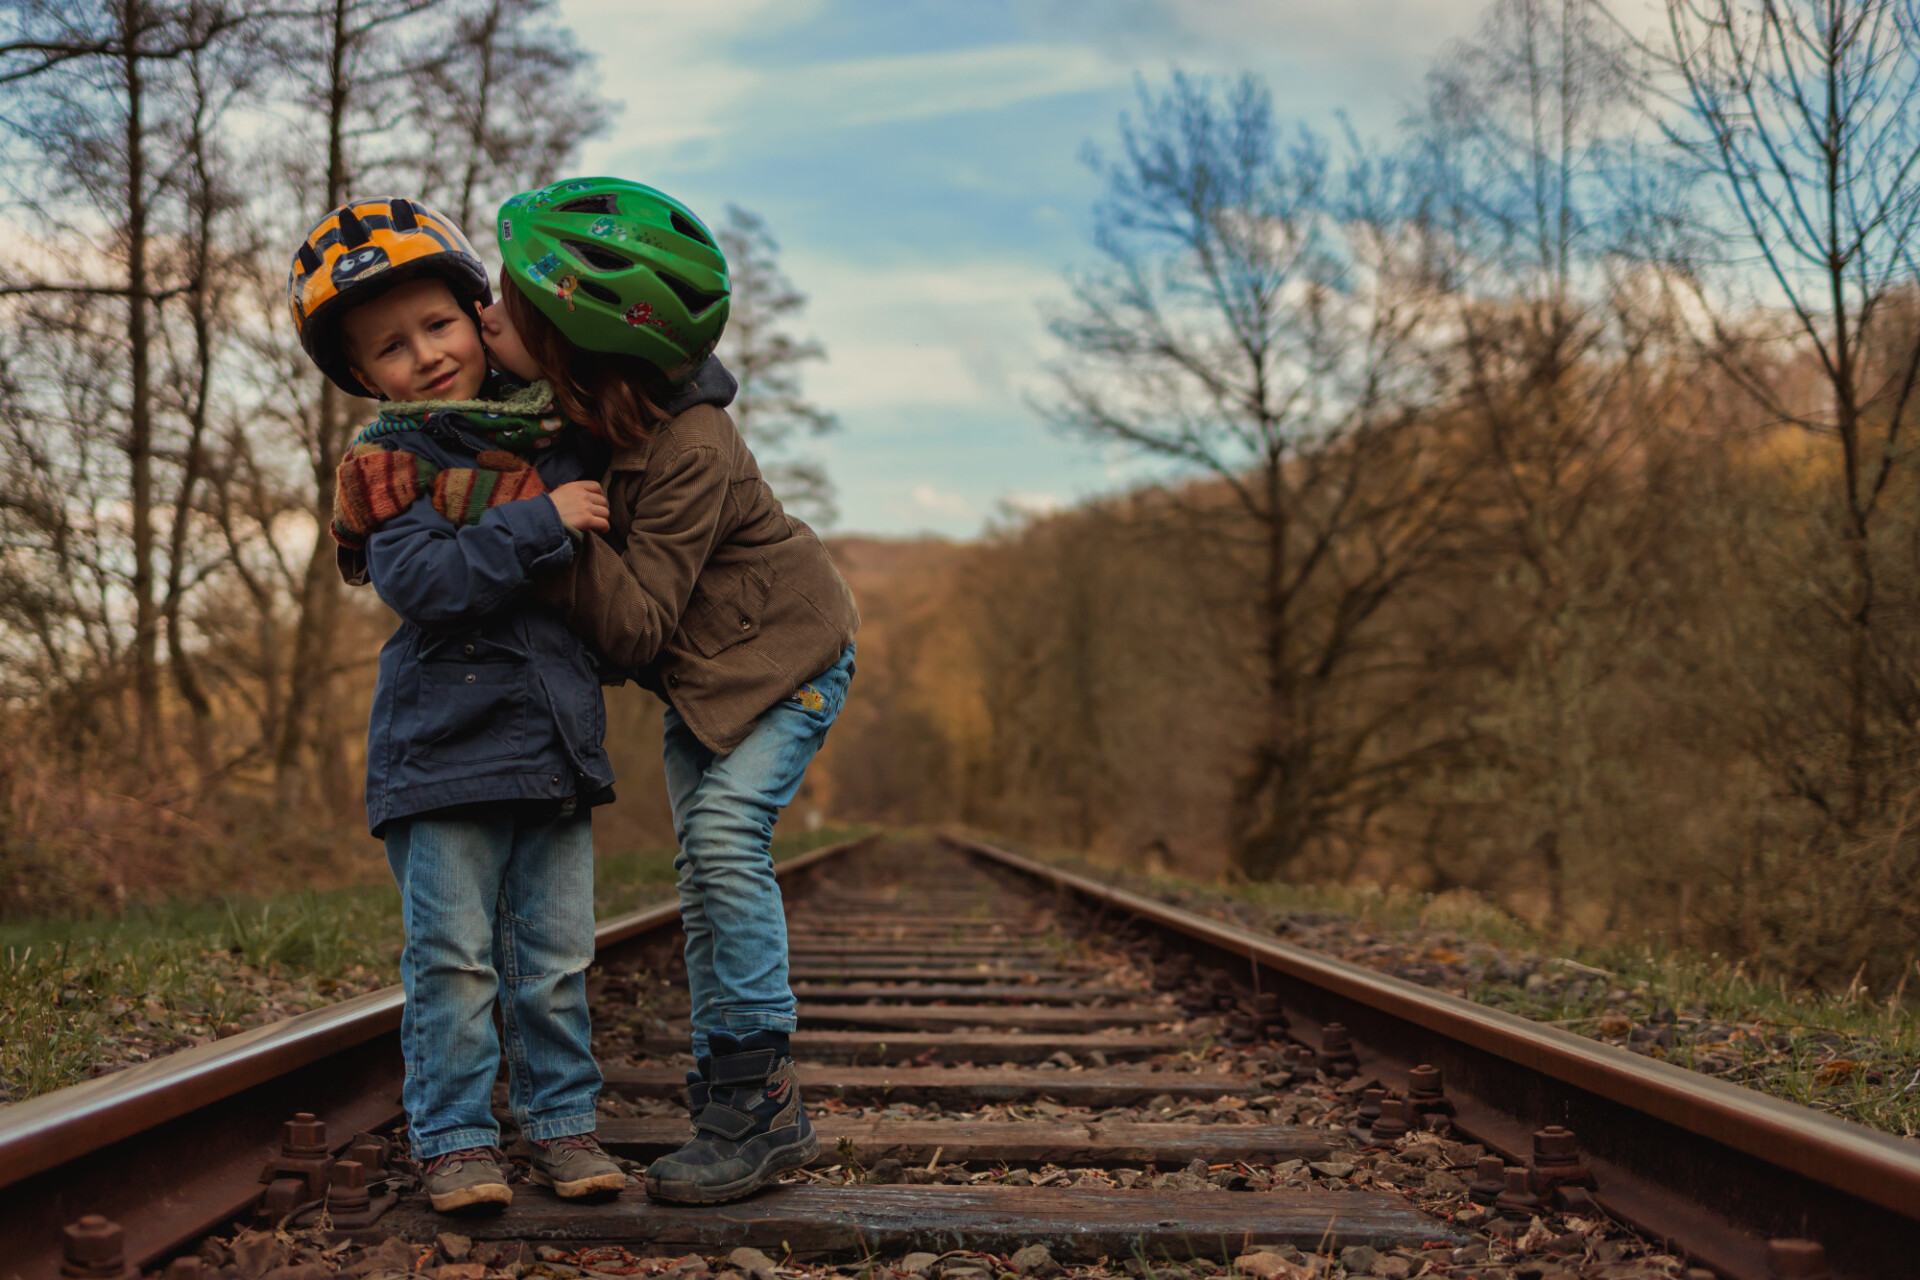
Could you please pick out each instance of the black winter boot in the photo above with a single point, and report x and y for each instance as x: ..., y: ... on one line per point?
x: 752, y: 1128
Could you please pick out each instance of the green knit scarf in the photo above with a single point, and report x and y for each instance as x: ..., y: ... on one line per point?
x: 520, y: 420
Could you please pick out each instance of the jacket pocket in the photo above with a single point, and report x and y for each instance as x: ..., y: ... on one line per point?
x: 725, y: 608
x: 474, y: 703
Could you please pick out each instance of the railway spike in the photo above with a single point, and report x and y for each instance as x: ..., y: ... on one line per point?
x: 347, y: 1187
x: 94, y: 1248
x: 1792, y: 1259
x: 1559, y: 1169
x: 1489, y: 1180
x: 1337, y: 1057
x: 1368, y: 1113
x: 1392, y: 1124
x: 1426, y: 1092
x: 1517, y: 1203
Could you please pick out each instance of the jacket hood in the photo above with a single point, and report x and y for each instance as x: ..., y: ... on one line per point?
x: 710, y: 384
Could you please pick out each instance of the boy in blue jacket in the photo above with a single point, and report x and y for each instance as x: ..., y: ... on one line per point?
x: 484, y: 753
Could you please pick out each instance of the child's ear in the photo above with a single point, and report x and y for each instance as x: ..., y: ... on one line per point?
x: 359, y: 376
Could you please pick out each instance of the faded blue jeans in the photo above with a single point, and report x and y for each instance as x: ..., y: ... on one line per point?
x: 724, y: 808
x: 498, y: 904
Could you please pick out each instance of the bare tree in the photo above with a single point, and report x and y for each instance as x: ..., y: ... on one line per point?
x: 89, y: 122
x: 1801, y: 121
x: 771, y: 408
x: 507, y: 92
x: 1527, y: 151
x: 1256, y: 320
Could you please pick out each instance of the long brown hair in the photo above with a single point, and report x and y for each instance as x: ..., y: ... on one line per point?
x: 617, y: 395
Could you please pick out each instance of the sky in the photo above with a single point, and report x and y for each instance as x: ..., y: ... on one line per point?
x: 920, y: 163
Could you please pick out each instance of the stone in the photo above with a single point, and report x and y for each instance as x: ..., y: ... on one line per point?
x: 753, y: 1262
x: 257, y: 1252
x: 1359, y: 1258
x: 550, y: 1253
x: 1333, y: 1169
x: 1269, y: 1266
x: 916, y: 1264
x: 1392, y: 1267
x: 883, y: 1171
x: 303, y: 1271
x: 387, y: 1256
x: 461, y: 1271
x: 1035, y: 1260
x: 453, y: 1246
x: 1441, y: 1183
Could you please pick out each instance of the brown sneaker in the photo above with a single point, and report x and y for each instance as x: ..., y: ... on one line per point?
x: 575, y: 1166
x: 463, y: 1179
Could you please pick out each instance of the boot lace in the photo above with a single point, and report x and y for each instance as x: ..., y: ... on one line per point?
x: 575, y: 1142
x: 445, y: 1158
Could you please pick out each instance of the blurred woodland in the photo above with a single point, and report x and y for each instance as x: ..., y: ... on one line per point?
x: 1540, y: 519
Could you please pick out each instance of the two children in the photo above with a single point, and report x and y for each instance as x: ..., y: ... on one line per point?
x: 473, y: 506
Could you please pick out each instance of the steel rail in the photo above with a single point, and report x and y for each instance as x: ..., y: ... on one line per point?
x: 172, y: 1148
x: 1712, y: 1168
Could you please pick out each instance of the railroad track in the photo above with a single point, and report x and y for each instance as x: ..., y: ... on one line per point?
x: 1000, y: 1055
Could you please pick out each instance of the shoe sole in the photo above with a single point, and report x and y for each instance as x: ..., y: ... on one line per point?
x: 485, y: 1193
x: 615, y: 1181
x: 778, y: 1161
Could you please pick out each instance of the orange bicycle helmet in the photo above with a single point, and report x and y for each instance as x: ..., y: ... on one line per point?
x: 359, y: 251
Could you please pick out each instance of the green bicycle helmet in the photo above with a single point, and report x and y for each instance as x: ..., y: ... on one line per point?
x: 619, y: 267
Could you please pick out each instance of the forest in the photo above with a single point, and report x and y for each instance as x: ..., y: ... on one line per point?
x: 1537, y: 515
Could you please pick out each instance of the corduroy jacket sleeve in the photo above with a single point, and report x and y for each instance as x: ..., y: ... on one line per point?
x: 679, y: 506
x: 436, y: 575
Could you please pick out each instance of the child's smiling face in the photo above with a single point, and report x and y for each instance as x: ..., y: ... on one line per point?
x: 415, y: 342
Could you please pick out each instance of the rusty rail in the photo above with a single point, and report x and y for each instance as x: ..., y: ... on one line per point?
x: 1714, y: 1169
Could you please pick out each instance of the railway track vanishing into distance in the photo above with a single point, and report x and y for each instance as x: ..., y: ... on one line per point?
x: 1000, y: 1054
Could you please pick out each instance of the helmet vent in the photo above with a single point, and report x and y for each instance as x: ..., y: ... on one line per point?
x: 404, y: 218
x: 692, y: 230
x: 599, y: 292
x: 587, y: 204
x: 598, y: 257
x: 694, y: 300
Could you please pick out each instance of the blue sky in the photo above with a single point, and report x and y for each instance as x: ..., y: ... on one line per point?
x: 919, y: 162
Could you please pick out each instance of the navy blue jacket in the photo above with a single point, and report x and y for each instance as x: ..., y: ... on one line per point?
x: 483, y: 693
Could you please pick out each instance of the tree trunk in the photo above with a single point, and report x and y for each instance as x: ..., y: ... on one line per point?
x: 139, y: 445
x: 309, y: 669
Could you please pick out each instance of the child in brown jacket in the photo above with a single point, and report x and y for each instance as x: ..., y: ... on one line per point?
x: 727, y: 608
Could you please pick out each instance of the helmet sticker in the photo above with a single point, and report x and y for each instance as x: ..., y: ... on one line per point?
x: 601, y: 227
x: 578, y: 186
x: 641, y: 313
x: 506, y: 228
x: 544, y: 267
x: 565, y: 286
x: 362, y: 262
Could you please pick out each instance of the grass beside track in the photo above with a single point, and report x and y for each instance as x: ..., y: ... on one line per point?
x: 1848, y: 1053
x: 79, y: 998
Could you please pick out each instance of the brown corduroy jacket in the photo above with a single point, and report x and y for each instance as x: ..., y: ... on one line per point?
x: 714, y: 596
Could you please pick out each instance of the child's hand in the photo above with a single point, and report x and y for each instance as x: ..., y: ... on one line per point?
x: 582, y: 505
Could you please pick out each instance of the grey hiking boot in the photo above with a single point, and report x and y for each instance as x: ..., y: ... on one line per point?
x: 752, y: 1128
x: 467, y: 1179
x: 575, y: 1166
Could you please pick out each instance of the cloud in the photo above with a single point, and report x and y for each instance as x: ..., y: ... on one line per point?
x: 928, y: 498
x: 1033, y: 504
x: 919, y: 86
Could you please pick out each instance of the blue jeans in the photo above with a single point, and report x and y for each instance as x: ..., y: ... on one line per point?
x: 724, y: 808
x: 498, y: 904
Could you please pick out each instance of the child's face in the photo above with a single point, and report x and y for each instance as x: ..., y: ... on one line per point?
x: 414, y: 342
x: 503, y: 342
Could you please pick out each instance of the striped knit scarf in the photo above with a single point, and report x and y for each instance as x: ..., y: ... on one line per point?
x: 374, y: 485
